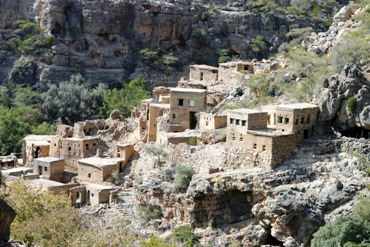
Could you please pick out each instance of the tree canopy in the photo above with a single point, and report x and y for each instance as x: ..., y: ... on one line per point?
x: 126, y: 98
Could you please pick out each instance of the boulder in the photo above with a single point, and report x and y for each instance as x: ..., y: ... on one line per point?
x: 7, y: 215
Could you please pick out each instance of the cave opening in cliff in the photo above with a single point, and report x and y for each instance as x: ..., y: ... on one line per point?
x: 182, y: 41
x: 356, y: 132
x: 58, y: 29
x: 273, y: 241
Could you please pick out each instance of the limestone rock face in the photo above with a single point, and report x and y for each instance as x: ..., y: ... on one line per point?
x: 332, y: 100
x: 101, y: 39
x: 7, y: 215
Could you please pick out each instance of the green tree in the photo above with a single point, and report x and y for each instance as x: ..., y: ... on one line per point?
x: 183, y: 176
x: 125, y: 99
x: 351, y: 230
x: 259, y: 45
x: 72, y: 100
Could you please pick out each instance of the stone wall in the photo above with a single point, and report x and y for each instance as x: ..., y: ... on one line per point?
x: 208, y: 121
x: 245, y: 119
x: 97, y: 194
x: 282, y: 148
x: 180, y: 109
x: 155, y: 111
x: 203, y: 73
x: 89, y: 173
x: 49, y: 168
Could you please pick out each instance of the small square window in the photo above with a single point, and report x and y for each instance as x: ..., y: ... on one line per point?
x: 244, y: 122
x: 191, y: 102
x: 87, y: 146
x: 302, y: 120
x: 264, y: 148
x: 45, y: 169
x: 181, y: 102
x: 173, y: 116
x: 89, y: 175
x: 280, y: 119
x: 237, y: 122
x: 286, y: 120
x: 232, y: 120
x: 255, y: 146
x: 296, y: 121
x: 241, y: 138
x: 308, y: 120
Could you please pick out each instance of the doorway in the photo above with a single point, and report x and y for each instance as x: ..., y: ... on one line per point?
x: 192, y: 120
x: 305, y: 134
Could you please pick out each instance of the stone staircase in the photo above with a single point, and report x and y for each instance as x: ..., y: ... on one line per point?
x: 126, y: 203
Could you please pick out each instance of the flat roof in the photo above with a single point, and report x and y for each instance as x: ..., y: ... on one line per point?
x: 100, y: 162
x: 160, y: 105
x: 44, y: 182
x: 203, y: 66
x: 234, y: 63
x: 296, y: 106
x: 188, y: 90
x: 48, y: 159
x: 269, y: 132
x: 122, y: 145
x: 97, y: 186
x: 39, y: 140
x: 246, y: 111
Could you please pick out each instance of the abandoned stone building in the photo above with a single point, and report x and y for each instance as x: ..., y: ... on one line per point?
x: 97, y: 169
x: 49, y: 168
x: 8, y: 161
x: 209, y: 121
x: 35, y: 146
x: 249, y: 129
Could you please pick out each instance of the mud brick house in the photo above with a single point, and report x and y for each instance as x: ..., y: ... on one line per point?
x: 209, y: 121
x: 203, y: 73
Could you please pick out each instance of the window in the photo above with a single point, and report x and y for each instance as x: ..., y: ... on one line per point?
x: 89, y: 175
x: 241, y: 138
x: 280, y: 119
x: 302, y: 120
x: 207, y: 123
x: 92, y: 194
x: 296, y: 121
x: 286, y: 120
x: 232, y: 120
x: 255, y: 146
x: 264, y: 148
x: 181, y: 102
x: 201, y: 76
x: 308, y: 120
x: 237, y: 122
x: 55, y: 144
x: 45, y: 169
x: 191, y: 102
x: 244, y: 122
x: 78, y: 195
x: 173, y: 116
x: 94, y: 144
x: 87, y: 146
x: 69, y: 148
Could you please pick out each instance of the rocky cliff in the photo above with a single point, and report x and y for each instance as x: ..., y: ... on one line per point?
x: 102, y: 39
x: 7, y: 215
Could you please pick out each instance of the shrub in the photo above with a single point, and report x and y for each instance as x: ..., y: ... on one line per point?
x: 183, y: 235
x: 49, y: 40
x: 183, y: 176
x: 200, y: 37
x: 158, y: 151
x: 351, y: 105
x: 155, y: 241
x: 147, y: 214
x: 192, y: 141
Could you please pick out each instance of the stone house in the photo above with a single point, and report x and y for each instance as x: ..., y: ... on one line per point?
x: 227, y: 70
x: 248, y: 129
x: 184, y: 104
x: 72, y: 149
x: 35, y: 146
x: 209, y: 121
x: 97, y: 193
x: 299, y: 119
x: 124, y: 152
x: 97, y: 169
x: 203, y: 73
x: 50, y: 185
x: 49, y: 168
x: 7, y: 161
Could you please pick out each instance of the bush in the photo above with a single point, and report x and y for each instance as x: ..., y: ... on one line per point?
x: 49, y: 40
x: 183, y: 235
x: 183, y: 176
x: 147, y: 214
x: 155, y: 241
x: 158, y: 151
x: 351, y: 105
x: 192, y: 141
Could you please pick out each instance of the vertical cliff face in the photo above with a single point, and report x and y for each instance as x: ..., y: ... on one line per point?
x: 102, y: 39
